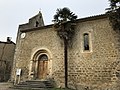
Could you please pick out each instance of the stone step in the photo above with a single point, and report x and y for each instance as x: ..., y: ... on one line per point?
x: 28, y: 88
x: 34, y: 84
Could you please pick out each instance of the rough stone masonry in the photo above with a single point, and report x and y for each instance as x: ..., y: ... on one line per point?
x: 97, y: 68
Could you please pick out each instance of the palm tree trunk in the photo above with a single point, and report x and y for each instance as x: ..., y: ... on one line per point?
x: 66, y: 61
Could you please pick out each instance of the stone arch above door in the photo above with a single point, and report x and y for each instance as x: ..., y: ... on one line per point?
x: 36, y: 62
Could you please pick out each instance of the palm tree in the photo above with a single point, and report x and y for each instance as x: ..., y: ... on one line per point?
x: 65, y: 31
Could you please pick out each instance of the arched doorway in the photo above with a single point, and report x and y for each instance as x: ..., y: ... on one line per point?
x: 40, y: 64
x: 42, y: 69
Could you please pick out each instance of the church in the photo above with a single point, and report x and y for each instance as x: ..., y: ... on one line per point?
x: 39, y: 54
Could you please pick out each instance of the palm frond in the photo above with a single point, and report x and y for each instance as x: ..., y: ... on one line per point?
x: 64, y: 15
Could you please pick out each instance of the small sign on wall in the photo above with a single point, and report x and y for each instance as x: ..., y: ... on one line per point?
x: 18, y: 72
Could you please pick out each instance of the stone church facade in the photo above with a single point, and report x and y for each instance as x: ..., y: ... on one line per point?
x: 93, y: 56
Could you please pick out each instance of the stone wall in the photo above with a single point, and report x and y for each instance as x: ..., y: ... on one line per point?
x: 96, y: 69
x: 6, y: 60
x: 34, y: 41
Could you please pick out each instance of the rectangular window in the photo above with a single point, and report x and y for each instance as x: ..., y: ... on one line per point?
x: 86, y: 42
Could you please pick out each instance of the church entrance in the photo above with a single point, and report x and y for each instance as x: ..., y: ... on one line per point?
x: 40, y: 65
x: 42, y: 68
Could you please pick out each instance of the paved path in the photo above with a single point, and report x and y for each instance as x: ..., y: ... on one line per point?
x: 5, y: 86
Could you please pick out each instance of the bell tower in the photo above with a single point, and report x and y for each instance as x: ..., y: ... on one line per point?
x: 35, y: 21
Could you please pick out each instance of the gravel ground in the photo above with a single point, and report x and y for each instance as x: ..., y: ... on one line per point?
x: 6, y: 85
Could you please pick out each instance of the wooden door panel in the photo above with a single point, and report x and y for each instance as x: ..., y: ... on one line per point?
x: 42, y: 69
x: 45, y: 69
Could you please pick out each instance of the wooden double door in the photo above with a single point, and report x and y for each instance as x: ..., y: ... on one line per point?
x: 42, y: 67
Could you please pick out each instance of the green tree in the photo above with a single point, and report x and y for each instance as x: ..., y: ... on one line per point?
x: 64, y: 25
x: 114, y: 4
x: 114, y: 14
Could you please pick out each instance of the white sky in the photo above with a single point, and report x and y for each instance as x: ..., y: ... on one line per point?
x: 15, y: 12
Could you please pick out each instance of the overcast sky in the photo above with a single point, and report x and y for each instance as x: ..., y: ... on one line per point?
x: 15, y: 12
